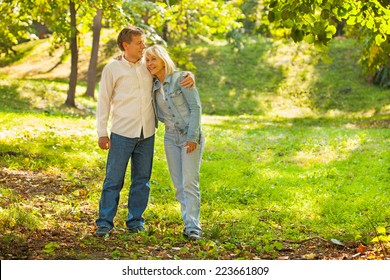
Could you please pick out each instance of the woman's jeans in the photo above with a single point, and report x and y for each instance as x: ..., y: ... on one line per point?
x: 184, y: 170
x: 122, y: 149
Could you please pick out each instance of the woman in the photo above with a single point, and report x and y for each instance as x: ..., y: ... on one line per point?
x: 180, y: 110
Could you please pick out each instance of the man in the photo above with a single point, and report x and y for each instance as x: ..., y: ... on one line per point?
x: 125, y: 95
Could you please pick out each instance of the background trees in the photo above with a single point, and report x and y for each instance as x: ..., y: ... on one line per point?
x: 316, y: 21
x: 182, y: 22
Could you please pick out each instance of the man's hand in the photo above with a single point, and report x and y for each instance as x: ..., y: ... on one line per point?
x: 191, y: 146
x: 189, y: 81
x: 104, y: 142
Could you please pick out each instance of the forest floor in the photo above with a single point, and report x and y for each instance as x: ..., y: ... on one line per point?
x: 45, y: 244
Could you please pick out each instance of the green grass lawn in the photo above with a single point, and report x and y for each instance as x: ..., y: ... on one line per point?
x: 293, y: 150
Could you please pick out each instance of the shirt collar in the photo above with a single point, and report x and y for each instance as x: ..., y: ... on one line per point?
x: 131, y: 63
x: 156, y: 84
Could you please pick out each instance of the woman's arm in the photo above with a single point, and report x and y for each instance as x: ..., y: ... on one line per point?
x: 195, y: 108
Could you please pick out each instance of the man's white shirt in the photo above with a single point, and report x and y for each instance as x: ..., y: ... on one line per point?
x: 125, y: 95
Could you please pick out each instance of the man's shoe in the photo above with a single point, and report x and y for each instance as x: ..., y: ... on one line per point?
x: 103, y: 231
x: 136, y: 229
x: 193, y: 235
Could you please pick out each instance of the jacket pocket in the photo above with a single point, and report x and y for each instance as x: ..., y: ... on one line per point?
x: 178, y: 98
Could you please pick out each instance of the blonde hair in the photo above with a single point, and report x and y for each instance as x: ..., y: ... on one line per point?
x: 162, y: 53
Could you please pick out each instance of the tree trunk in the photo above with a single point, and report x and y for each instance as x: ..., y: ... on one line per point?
x: 97, y: 26
x: 70, y: 101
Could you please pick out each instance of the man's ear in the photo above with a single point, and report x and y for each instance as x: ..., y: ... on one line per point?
x: 124, y: 45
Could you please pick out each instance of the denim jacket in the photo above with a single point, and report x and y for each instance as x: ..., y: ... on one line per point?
x: 183, y: 105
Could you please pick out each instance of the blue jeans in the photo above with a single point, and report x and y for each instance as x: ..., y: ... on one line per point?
x: 184, y: 170
x: 122, y: 149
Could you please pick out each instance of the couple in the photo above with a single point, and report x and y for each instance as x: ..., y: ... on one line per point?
x: 137, y: 92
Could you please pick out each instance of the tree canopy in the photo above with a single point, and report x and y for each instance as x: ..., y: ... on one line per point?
x: 182, y: 22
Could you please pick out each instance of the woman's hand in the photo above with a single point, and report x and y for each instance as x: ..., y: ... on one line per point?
x: 191, y: 146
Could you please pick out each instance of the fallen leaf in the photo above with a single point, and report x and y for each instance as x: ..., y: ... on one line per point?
x: 337, y: 242
x: 361, y: 249
x: 310, y: 256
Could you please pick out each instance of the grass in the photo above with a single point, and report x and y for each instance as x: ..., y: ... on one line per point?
x: 294, y: 150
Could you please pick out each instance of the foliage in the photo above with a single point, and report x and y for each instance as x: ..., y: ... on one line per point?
x: 375, y: 60
x: 68, y: 20
x: 250, y: 10
x: 19, y: 215
x: 14, y: 27
x: 180, y: 23
x: 246, y: 85
x: 315, y: 22
x: 315, y: 19
x: 54, y: 15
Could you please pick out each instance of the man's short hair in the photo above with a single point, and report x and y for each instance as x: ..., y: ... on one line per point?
x: 127, y: 34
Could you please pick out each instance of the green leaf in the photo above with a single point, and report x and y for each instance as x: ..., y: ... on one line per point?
x: 273, y: 4
x: 341, y: 12
x: 351, y: 20
x: 322, y: 36
x: 271, y: 16
x: 51, y: 247
x: 331, y: 29
x: 285, y: 14
x: 379, y: 39
x: 297, y: 35
x: 321, y: 46
x: 385, y: 28
x: 381, y: 230
x: 318, y: 28
x: 370, y: 23
x: 309, y: 38
x: 288, y: 23
x: 305, y: 8
x: 325, y: 14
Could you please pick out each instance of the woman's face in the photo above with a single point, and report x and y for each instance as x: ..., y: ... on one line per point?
x: 155, y: 65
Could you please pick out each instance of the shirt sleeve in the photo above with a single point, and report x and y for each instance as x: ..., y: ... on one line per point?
x: 104, y: 102
x: 195, y: 107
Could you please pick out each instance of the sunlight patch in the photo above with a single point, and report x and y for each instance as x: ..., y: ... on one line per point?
x: 306, y: 158
x: 320, y: 153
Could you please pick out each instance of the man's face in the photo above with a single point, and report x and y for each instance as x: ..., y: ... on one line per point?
x: 134, y: 50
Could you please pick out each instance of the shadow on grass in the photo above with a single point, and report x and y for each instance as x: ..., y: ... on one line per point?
x: 19, y: 54
x: 342, y: 86
x: 11, y: 154
x: 41, y: 96
x: 236, y: 81
x: 305, y: 176
x: 11, y: 100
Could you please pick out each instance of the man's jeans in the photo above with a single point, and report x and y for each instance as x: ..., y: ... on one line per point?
x: 184, y: 170
x: 122, y: 149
